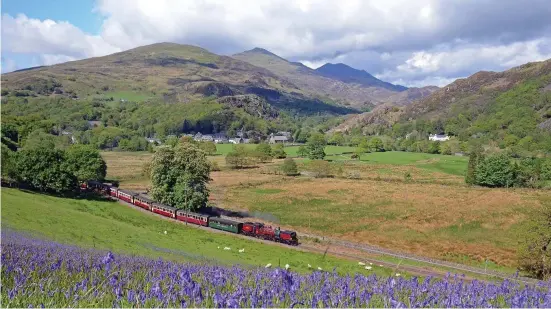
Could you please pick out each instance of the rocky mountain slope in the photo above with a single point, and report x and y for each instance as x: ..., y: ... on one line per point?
x: 513, y: 104
x: 349, y: 75
x: 352, y: 87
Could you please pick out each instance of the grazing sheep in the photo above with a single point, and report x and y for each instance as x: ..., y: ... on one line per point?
x: 319, y: 268
x: 241, y: 250
x: 368, y: 267
x: 268, y: 265
x: 361, y: 263
x: 227, y: 248
x: 287, y: 266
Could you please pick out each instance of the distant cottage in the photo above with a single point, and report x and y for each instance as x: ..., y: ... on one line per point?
x: 439, y: 137
x: 279, y: 139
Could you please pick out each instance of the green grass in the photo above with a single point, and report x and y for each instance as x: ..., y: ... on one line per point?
x: 113, y: 226
x: 454, y: 165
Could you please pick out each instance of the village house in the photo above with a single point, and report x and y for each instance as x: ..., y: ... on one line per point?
x: 439, y: 137
x: 153, y: 140
x: 275, y: 139
x: 220, y: 138
x: 236, y: 140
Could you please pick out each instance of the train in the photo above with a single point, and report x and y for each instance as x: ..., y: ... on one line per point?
x: 251, y: 229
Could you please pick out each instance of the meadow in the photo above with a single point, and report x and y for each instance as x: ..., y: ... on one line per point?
x: 431, y: 213
x: 109, y: 225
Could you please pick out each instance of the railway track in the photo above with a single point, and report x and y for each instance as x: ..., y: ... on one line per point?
x: 370, y: 249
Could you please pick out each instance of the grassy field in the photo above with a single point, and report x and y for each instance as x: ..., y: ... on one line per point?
x: 113, y: 226
x: 434, y: 214
x: 450, y: 222
x: 454, y: 165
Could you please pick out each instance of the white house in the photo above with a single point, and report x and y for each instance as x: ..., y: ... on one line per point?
x: 236, y: 140
x: 439, y: 137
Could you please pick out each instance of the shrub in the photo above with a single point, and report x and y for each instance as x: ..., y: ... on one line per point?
x: 289, y: 167
x: 319, y: 168
x: 279, y: 152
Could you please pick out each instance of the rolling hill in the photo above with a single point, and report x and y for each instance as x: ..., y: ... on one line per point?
x: 167, y: 71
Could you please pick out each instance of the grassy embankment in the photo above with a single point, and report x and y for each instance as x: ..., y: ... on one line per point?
x: 112, y: 226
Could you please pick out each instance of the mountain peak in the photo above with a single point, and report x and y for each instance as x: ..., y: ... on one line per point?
x: 348, y: 74
x: 259, y: 50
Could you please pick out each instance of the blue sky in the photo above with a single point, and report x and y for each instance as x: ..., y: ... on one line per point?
x: 77, y: 12
x: 413, y: 43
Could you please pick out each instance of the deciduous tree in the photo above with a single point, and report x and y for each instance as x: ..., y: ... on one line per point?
x: 179, y: 176
x: 316, y: 146
x: 44, y: 169
x: 86, y: 162
x: 535, y: 252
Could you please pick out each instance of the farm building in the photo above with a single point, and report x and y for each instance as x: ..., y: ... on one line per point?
x: 439, y: 137
x: 275, y: 139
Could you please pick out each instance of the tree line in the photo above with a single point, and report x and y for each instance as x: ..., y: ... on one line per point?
x: 502, y: 170
x: 45, y: 168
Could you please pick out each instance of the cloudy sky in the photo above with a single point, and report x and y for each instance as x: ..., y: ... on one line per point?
x: 414, y: 43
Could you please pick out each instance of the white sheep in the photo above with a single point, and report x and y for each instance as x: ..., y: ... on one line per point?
x: 241, y: 250
x: 287, y: 266
x: 227, y: 248
x: 368, y: 267
x: 361, y: 263
x: 397, y: 274
x: 268, y: 265
x: 309, y: 266
x: 319, y: 268
x: 165, y: 232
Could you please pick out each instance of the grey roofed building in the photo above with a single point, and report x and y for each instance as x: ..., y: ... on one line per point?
x: 274, y: 139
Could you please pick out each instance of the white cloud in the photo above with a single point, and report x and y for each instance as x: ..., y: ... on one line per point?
x: 398, y: 40
x: 444, y: 64
x: 47, y: 37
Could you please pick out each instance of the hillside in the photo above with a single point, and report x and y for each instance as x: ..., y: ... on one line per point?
x: 344, y: 87
x: 164, y: 71
x: 510, y: 108
x: 349, y: 75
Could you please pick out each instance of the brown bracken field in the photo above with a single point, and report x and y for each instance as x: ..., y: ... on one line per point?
x: 432, y: 214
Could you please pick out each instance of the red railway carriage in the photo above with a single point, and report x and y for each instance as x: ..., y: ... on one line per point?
x: 125, y: 195
x: 143, y: 202
x: 192, y: 217
x: 164, y: 210
x: 113, y: 191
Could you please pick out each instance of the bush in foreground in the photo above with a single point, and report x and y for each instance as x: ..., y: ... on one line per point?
x: 41, y: 273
